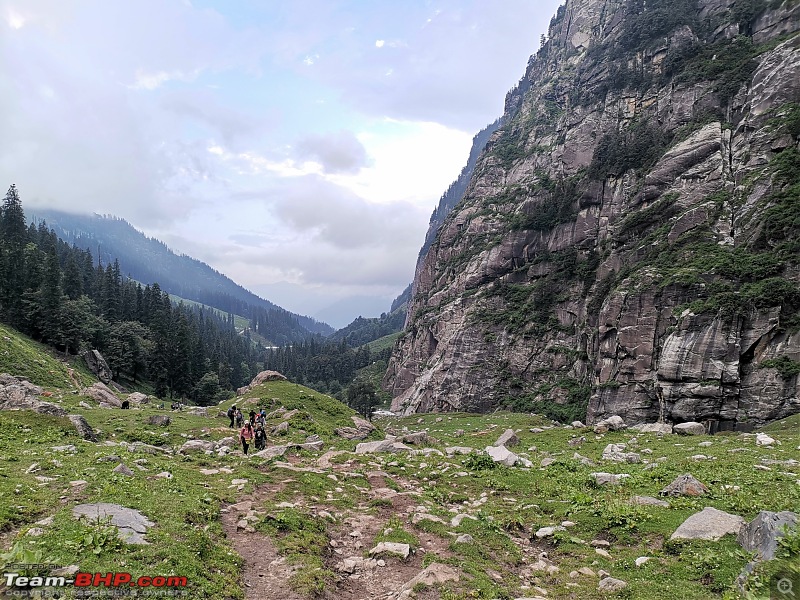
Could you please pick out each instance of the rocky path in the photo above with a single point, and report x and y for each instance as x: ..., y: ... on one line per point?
x: 266, y: 574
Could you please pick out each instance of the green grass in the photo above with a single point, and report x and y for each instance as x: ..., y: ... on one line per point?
x: 384, y: 342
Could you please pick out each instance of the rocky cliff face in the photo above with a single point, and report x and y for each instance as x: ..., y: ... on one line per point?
x: 629, y: 242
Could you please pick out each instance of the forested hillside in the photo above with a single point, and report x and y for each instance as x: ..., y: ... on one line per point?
x: 147, y: 260
x: 55, y: 293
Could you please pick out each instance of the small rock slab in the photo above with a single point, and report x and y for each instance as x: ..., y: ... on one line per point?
x: 508, y: 439
x: 609, y: 478
x: 649, y: 501
x: 504, y: 456
x: 131, y: 524
x: 402, y: 550
x: 609, y: 584
x: 271, y: 452
x: 761, y: 535
x: 612, y: 423
x: 159, y: 420
x: 197, y: 447
x: 433, y: 574
x: 708, y: 524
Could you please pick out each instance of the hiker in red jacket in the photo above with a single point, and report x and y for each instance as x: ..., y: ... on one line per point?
x: 246, y: 436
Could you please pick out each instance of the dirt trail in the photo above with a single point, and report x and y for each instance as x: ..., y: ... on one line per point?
x: 266, y: 574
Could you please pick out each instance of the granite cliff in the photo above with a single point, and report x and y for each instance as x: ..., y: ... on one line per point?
x: 629, y: 241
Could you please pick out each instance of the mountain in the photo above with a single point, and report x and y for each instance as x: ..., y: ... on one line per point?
x: 364, y: 330
x: 628, y: 242
x: 149, y: 260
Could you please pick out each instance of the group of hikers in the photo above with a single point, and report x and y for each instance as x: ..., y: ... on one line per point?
x: 253, y: 430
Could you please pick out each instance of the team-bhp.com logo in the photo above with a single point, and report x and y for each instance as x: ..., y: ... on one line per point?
x: 17, y: 584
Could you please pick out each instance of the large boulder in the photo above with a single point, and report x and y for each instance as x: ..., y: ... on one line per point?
x: 387, y: 445
x: 362, y: 428
x: 689, y: 428
x: 659, y: 428
x: 708, y: 524
x: 612, y: 423
x: 504, y: 456
x: 138, y: 398
x: 97, y: 365
x: 761, y: 535
x: 197, y: 447
x: 131, y: 524
x: 101, y: 393
x: 508, y: 439
x: 20, y: 394
x: 159, y: 420
x: 259, y: 379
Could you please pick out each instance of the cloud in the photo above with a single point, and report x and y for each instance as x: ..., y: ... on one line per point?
x: 339, y: 152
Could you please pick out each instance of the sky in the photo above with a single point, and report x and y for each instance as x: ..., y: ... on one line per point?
x: 298, y: 146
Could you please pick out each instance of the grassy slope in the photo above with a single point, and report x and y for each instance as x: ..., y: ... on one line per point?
x: 386, y: 341
x: 188, y: 539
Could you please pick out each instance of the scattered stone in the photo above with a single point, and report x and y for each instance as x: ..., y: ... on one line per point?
x: 456, y: 521
x: 138, y: 398
x: 584, y: 460
x: 465, y: 539
x: 578, y: 425
x: 131, y: 524
x: 209, y: 471
x: 35, y: 532
x: 609, y: 478
x: 159, y: 420
x: 452, y: 450
x: 164, y: 475
x: 387, y: 445
x: 508, y: 439
x: 689, y: 428
x: 649, y: 501
x: 684, y: 485
x: 609, y: 584
x: 401, y: 550
x: 575, y: 442
x: 603, y: 552
x: 281, y: 428
x: 708, y: 524
x: 587, y: 571
x: 123, y: 469
x: 360, y: 431
x: 642, y: 560
x: 600, y: 544
x: 416, y: 438
x: 705, y: 444
x: 616, y: 453
x: 546, y: 462
x: 657, y: 428
x: 46, y: 522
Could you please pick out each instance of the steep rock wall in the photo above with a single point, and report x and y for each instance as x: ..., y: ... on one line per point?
x: 628, y: 243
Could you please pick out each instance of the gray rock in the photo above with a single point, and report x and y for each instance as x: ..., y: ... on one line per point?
x: 123, y: 469
x: 271, y: 452
x: 138, y: 398
x: 689, y: 428
x: 508, y: 439
x: 544, y: 532
x: 649, y: 501
x: 83, y: 428
x: 616, y: 453
x: 612, y: 423
x: 578, y: 425
x: 131, y: 524
x: 97, y: 365
x: 684, y: 485
x: 109, y: 458
x: 197, y: 447
x: 504, y: 456
x: 159, y: 420
x: 416, y: 438
x: 708, y: 524
x: 761, y: 535
x: 281, y: 428
x: 609, y: 584
x: 464, y: 539
x: 659, y: 428
x: 19, y: 394
x: 401, y: 550
x: 453, y: 450
x: 609, y: 478
x: 67, y: 448
x: 102, y: 393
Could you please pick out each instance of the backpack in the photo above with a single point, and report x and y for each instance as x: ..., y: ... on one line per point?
x: 230, y: 412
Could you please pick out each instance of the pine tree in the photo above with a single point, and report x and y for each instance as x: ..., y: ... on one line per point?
x: 13, y: 236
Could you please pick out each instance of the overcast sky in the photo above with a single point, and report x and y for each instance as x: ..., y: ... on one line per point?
x: 297, y: 146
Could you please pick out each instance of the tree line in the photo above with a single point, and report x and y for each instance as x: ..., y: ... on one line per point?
x: 54, y: 293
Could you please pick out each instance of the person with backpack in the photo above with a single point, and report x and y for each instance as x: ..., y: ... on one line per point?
x: 239, y: 417
x: 232, y: 414
x: 246, y: 436
x: 260, y: 437
x: 252, y: 416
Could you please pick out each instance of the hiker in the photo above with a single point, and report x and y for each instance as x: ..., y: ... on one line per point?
x: 246, y: 436
x: 252, y: 417
x: 260, y: 437
x: 239, y: 417
x: 232, y: 414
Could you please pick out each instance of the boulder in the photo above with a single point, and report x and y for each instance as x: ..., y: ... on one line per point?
x: 609, y: 478
x: 123, y: 469
x: 453, y: 450
x: 761, y: 535
x: 401, y: 550
x: 83, y: 428
x: 612, y: 423
x: 708, y: 524
x: 659, y: 428
x: 281, y: 428
x: 387, y: 445
x: 508, y: 439
x: 684, y: 485
x: 762, y: 439
x: 138, y: 398
x: 159, y: 420
x: 578, y: 425
x: 689, y: 428
x: 362, y: 428
x: 416, y: 438
x: 97, y: 365
x: 101, y: 393
x: 609, y: 584
x: 616, y: 453
x: 197, y: 411
x: 504, y: 456
x: 433, y: 575
x: 271, y: 452
x: 20, y: 394
x: 197, y: 447
x: 259, y: 379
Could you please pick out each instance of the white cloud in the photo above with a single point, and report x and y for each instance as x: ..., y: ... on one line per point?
x: 379, y: 43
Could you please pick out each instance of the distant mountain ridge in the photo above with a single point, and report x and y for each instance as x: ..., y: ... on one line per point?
x: 150, y: 260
